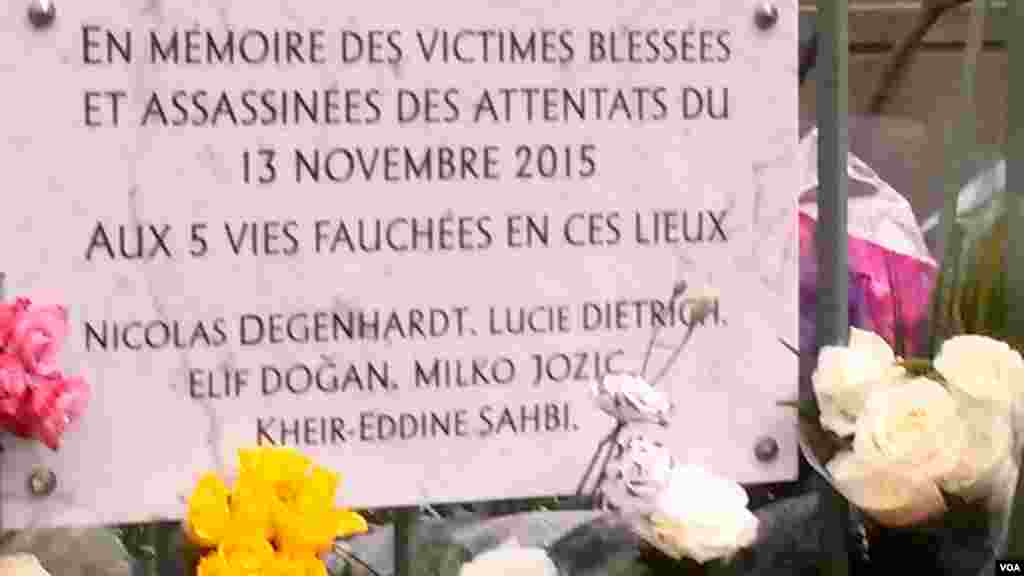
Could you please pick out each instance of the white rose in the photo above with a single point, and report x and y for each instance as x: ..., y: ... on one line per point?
x: 982, y: 367
x: 845, y: 376
x: 987, y: 449
x: 21, y: 565
x: 700, y: 516
x: 913, y: 428
x: 510, y: 559
x: 629, y: 398
x: 889, y: 496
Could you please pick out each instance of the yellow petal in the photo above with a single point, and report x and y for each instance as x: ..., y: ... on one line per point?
x: 252, y: 503
x: 350, y: 523
x: 247, y: 553
x: 302, y: 565
x: 313, y: 566
x: 208, y: 512
x: 213, y: 564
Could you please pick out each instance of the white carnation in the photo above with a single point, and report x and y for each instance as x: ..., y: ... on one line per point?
x: 629, y: 398
x: 700, y: 516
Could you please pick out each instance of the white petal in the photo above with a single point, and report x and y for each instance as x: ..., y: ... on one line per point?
x: 891, y: 498
x: 876, y: 346
x: 21, y: 565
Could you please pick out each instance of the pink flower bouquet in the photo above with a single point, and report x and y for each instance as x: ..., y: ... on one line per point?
x: 36, y: 399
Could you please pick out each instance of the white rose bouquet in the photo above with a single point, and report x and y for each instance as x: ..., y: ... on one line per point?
x: 913, y: 439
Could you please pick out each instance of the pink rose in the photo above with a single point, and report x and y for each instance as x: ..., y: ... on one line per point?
x: 38, y: 335
x: 9, y: 313
x: 14, y: 383
x: 52, y: 404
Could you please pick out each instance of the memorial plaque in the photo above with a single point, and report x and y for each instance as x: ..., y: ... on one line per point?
x: 403, y: 237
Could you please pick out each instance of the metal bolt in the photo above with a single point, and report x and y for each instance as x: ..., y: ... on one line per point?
x: 766, y: 16
x: 766, y: 449
x: 42, y: 13
x: 42, y: 481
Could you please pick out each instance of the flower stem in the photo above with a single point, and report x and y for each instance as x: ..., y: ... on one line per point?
x: 916, y: 365
x: 602, y: 472
x: 675, y: 355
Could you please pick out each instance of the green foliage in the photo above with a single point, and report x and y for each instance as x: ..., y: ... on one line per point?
x: 976, y: 299
x: 440, y: 559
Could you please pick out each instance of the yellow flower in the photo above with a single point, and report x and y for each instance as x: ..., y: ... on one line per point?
x: 208, y: 512
x: 213, y: 564
x: 247, y: 553
x: 286, y: 565
x: 350, y: 523
x: 303, y: 534
x: 252, y: 504
x: 284, y: 469
x: 307, y: 523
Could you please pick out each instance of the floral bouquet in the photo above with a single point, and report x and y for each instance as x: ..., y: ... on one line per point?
x: 278, y: 518
x: 922, y: 444
x: 696, y: 521
x: 36, y: 400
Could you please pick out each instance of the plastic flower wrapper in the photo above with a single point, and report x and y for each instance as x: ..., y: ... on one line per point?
x: 630, y: 399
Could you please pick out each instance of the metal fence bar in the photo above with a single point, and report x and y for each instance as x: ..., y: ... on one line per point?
x: 833, y: 281
x: 961, y: 138
x: 1015, y: 238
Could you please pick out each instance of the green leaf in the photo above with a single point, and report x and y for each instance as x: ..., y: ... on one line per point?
x: 805, y: 408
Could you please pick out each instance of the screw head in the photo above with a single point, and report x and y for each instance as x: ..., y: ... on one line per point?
x: 42, y: 481
x: 42, y: 13
x: 766, y: 16
x: 766, y: 449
